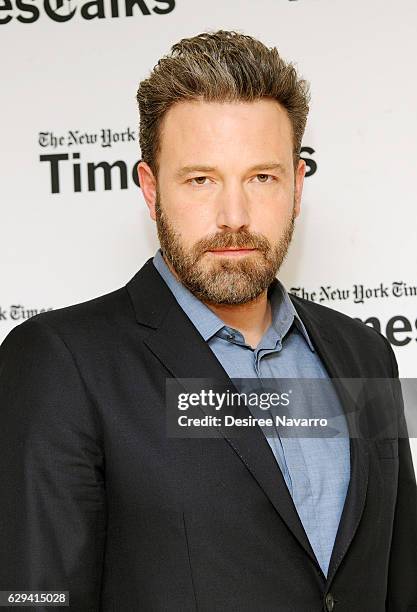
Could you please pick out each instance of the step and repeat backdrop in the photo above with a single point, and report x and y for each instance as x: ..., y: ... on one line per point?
x: 74, y: 224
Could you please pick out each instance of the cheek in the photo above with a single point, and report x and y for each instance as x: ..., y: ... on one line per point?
x: 194, y: 217
x: 191, y: 223
x: 271, y: 215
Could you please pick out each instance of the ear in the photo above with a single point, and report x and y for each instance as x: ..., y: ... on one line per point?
x: 299, y: 181
x: 147, y: 182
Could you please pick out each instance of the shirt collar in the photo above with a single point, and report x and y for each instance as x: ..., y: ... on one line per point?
x: 208, y: 323
x: 284, y: 312
x: 204, y: 319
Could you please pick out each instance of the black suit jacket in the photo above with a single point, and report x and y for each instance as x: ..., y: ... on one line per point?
x: 96, y: 499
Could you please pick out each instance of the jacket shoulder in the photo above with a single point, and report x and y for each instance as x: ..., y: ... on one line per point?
x: 328, y: 316
x: 347, y: 330
x: 87, y: 319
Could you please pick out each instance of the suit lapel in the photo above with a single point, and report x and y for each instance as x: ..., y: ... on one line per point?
x: 180, y: 348
x: 337, y: 356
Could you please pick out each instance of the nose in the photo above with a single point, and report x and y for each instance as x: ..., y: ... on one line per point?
x: 233, y: 208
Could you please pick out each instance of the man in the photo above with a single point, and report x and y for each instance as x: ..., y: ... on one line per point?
x: 97, y: 498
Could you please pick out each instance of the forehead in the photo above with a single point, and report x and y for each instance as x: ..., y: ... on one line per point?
x: 225, y: 131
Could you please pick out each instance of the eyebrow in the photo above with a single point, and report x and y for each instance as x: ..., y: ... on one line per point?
x: 273, y: 166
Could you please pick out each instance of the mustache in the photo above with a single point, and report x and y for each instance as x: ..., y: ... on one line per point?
x: 237, y: 240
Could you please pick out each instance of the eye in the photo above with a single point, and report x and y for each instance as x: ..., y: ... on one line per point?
x: 199, y: 180
x: 263, y: 178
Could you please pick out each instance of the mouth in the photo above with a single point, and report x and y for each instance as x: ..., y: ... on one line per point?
x: 231, y: 252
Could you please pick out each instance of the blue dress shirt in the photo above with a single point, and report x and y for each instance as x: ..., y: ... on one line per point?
x: 316, y: 469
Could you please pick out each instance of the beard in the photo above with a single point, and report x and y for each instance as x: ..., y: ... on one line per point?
x: 214, y: 279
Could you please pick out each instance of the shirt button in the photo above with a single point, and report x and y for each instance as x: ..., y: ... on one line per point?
x: 329, y: 602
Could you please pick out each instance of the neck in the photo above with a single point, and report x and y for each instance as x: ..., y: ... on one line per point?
x: 251, y: 319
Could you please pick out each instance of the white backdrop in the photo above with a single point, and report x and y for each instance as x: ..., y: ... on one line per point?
x: 69, y: 76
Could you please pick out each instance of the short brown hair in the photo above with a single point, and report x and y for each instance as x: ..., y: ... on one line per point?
x: 222, y: 66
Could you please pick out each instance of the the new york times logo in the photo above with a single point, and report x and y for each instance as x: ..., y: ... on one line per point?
x: 61, y: 11
x: 83, y: 176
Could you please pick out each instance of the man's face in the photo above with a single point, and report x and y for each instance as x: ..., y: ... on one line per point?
x: 226, y: 196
